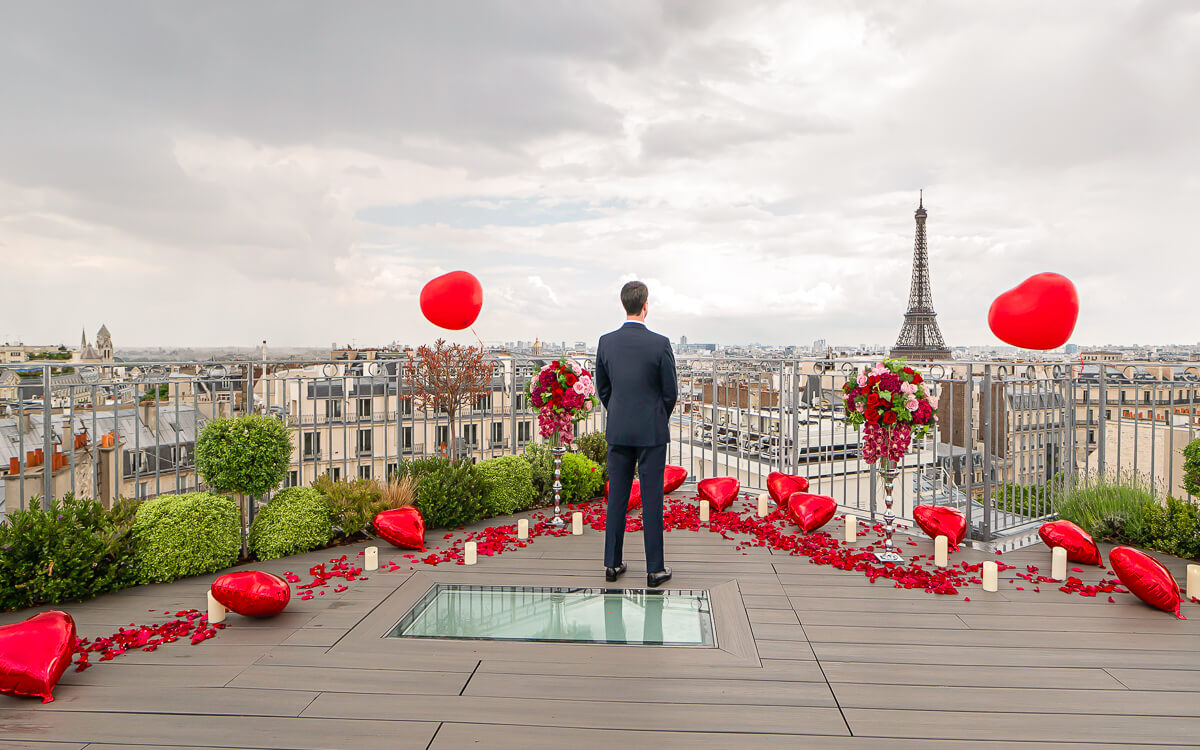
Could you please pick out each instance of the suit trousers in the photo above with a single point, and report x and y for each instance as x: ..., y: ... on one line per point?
x: 650, y: 462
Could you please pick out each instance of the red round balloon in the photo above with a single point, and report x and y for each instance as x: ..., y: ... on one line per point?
x: 719, y: 491
x: 1146, y: 578
x: 1039, y: 313
x: 810, y: 512
x: 452, y: 300
x: 252, y: 593
x: 673, y: 478
x: 35, y: 653
x: 1078, y: 543
x: 782, y: 486
x: 403, y: 527
x: 635, y: 495
x: 938, y: 520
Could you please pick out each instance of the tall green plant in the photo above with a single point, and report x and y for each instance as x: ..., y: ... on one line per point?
x: 246, y: 455
x: 1191, y: 468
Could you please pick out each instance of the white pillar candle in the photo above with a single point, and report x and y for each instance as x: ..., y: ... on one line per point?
x: 762, y: 506
x: 577, y: 523
x: 470, y: 553
x: 1193, y: 581
x: 941, y: 551
x: 523, y: 528
x: 216, y: 610
x: 371, y: 558
x: 851, y: 527
x: 1058, y: 563
x: 704, y: 511
x: 991, y: 576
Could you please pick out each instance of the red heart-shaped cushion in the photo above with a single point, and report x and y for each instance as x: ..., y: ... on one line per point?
x: 673, y: 478
x: 782, y: 486
x: 403, y: 527
x: 452, y: 300
x: 35, y: 653
x: 1146, y: 578
x: 635, y: 495
x: 720, y: 492
x: 252, y: 593
x: 1078, y: 543
x: 1039, y: 313
x: 810, y: 512
x: 938, y: 520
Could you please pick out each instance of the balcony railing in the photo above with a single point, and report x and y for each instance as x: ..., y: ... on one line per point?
x: 742, y: 417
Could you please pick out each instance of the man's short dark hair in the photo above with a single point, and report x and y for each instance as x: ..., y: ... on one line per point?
x: 633, y: 297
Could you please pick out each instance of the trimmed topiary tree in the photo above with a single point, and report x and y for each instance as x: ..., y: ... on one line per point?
x: 185, y: 535
x: 297, y: 519
x: 512, y: 485
x: 448, y: 494
x: 582, y: 478
x: 1191, y: 468
x: 246, y: 455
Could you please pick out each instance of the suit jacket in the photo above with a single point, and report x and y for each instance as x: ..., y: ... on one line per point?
x: 636, y: 382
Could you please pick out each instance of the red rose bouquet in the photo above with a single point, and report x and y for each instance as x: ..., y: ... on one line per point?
x: 892, y: 405
x: 563, y: 393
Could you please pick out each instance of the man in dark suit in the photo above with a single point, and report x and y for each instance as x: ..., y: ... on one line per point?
x: 635, y: 378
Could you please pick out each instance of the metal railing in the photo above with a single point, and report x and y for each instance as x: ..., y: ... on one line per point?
x: 1009, y: 434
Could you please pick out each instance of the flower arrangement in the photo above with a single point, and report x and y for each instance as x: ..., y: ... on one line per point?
x: 563, y: 393
x: 891, y: 403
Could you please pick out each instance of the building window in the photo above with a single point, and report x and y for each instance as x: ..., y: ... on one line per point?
x: 293, y: 480
x: 524, y: 431
x: 364, y: 408
x: 406, y: 434
x: 333, y: 408
x: 335, y: 473
x: 497, y: 433
x: 364, y: 472
x: 312, y: 444
x: 471, y: 433
x: 392, y: 470
x: 406, y: 406
x: 483, y: 402
x: 364, y: 441
x: 443, y: 436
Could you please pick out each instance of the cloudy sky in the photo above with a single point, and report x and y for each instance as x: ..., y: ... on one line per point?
x: 223, y: 173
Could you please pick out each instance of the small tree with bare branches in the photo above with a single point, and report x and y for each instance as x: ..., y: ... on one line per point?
x: 447, y: 378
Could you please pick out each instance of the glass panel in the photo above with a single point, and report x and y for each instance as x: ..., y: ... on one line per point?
x: 636, y: 617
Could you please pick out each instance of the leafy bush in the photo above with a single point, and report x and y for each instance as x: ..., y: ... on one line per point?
x: 448, y: 494
x: 594, y: 445
x: 249, y: 454
x: 353, y: 504
x: 1191, y: 468
x: 1112, y: 511
x: 185, y: 535
x: 296, y: 520
x: 74, y: 551
x: 1174, y: 527
x: 512, y: 485
x: 582, y: 478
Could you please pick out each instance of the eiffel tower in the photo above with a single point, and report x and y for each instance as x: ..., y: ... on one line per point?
x: 920, y: 340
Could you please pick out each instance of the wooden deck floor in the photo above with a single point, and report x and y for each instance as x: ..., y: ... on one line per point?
x: 834, y: 662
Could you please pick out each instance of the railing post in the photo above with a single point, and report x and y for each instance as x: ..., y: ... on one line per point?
x: 1101, y: 424
x: 968, y: 438
x: 988, y: 448
x: 47, y: 442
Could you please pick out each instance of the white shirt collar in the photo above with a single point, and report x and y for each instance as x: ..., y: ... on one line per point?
x: 639, y: 322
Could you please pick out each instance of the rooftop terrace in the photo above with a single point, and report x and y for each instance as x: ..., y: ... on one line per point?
x: 807, y: 656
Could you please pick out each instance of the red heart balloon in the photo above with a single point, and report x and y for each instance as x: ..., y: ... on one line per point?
x: 782, y: 486
x: 810, y: 511
x: 1078, y: 543
x: 35, y: 653
x: 252, y: 593
x: 719, y: 491
x: 938, y: 520
x: 635, y: 495
x: 673, y: 478
x: 452, y: 300
x: 403, y: 527
x: 1146, y: 578
x: 1039, y: 313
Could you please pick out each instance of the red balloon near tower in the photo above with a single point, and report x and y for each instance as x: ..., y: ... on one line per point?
x: 1039, y: 313
x: 452, y: 300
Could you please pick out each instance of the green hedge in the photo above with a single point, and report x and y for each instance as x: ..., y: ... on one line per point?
x: 1129, y: 511
x: 186, y: 535
x: 582, y: 478
x: 594, y: 445
x: 74, y: 551
x: 297, y: 519
x: 449, y: 494
x: 1191, y: 468
x: 511, y: 485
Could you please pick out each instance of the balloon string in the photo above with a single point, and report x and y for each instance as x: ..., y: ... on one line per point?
x: 477, y: 337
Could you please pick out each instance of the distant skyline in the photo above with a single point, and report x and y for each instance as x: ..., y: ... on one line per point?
x: 218, y: 174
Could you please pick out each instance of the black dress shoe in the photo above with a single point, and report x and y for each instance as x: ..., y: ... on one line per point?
x: 612, y: 574
x: 658, y: 579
